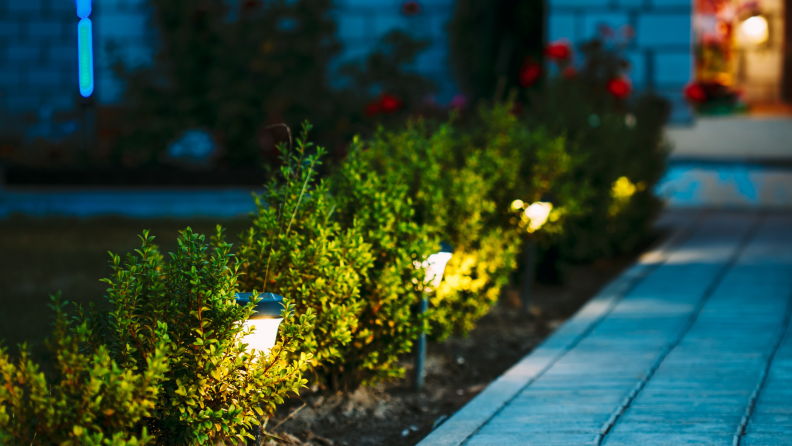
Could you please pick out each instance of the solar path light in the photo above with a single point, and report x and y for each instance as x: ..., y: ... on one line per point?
x: 434, y: 265
x: 533, y: 217
x: 265, y: 320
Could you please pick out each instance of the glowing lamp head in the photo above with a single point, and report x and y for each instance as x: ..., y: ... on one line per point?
x: 264, y: 321
x: 435, y: 265
x: 537, y: 215
x: 755, y: 30
x: 83, y: 8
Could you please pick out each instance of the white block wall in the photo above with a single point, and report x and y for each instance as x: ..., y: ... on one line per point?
x: 661, y: 52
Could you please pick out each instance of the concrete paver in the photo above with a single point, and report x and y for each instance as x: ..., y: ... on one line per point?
x: 694, y: 351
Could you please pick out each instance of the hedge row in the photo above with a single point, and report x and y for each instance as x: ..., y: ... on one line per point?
x: 166, y: 365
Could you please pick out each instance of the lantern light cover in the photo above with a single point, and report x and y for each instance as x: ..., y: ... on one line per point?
x: 537, y: 214
x: 264, y: 321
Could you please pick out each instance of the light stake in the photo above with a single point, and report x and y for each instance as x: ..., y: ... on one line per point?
x: 434, y: 265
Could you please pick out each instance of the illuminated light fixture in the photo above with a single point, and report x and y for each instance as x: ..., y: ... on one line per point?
x: 83, y: 8
x: 537, y: 215
x: 85, y: 48
x: 517, y: 204
x: 435, y: 265
x: 755, y: 29
x: 265, y: 320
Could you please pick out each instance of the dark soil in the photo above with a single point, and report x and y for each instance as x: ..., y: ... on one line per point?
x: 457, y: 370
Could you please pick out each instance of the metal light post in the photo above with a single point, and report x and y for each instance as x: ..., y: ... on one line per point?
x: 533, y: 216
x: 435, y: 266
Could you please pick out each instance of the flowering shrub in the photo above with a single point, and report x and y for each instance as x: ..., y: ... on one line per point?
x: 713, y: 98
x: 612, y: 135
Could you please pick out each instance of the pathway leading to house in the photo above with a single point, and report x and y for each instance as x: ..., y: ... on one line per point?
x: 690, y: 346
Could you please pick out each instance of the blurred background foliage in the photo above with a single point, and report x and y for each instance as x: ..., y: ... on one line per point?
x: 234, y: 72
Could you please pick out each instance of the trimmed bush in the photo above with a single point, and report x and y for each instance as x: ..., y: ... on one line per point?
x: 378, y: 205
x: 463, y: 184
x: 90, y: 400
x: 215, y: 388
x: 297, y: 249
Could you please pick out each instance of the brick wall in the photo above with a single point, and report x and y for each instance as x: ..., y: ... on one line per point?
x: 38, y: 47
x: 38, y: 56
x: 660, y: 53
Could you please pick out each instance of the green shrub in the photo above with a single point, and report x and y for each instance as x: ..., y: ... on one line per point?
x: 378, y: 205
x: 611, y: 138
x: 215, y: 388
x: 295, y: 248
x: 90, y: 399
x: 463, y: 180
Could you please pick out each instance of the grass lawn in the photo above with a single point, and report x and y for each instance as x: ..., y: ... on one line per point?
x: 39, y: 257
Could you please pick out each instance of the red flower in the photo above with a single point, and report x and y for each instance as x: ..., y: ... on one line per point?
x: 250, y: 5
x: 569, y: 73
x: 458, y: 101
x: 605, y: 30
x: 373, y: 109
x: 558, y: 51
x: 530, y: 73
x: 411, y: 8
x: 695, y: 93
x: 628, y: 32
x: 516, y: 109
x: 390, y: 104
x: 619, y: 87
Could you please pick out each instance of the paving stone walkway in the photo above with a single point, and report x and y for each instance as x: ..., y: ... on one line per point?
x: 690, y: 346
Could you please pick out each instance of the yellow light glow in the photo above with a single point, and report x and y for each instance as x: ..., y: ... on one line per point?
x: 755, y: 29
x: 517, y: 204
x: 434, y: 265
x: 537, y: 214
x: 264, y: 334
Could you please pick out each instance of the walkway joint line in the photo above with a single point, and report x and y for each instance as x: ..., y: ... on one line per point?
x: 763, y: 376
x: 614, y: 418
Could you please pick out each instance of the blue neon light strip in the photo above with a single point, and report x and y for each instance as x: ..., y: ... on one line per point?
x: 85, y: 56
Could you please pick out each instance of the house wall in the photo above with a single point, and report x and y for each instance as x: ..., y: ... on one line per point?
x: 660, y: 53
x: 38, y: 58
x: 38, y: 48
